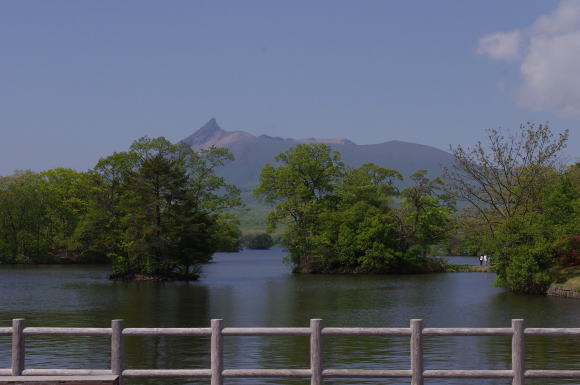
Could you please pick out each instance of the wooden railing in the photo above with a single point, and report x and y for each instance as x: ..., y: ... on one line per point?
x: 316, y: 372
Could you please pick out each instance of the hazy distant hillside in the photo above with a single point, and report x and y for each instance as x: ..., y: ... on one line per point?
x: 253, y: 152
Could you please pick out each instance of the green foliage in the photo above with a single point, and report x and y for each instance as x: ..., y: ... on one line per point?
x: 262, y: 241
x: 155, y: 209
x: 526, y: 254
x: 524, y: 209
x: 227, y: 234
x: 169, y: 206
x: 340, y: 219
x: 300, y: 187
x: 39, y: 213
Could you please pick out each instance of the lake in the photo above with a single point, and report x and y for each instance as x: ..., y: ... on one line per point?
x: 254, y: 288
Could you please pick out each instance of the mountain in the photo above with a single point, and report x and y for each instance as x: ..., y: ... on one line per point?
x: 253, y: 152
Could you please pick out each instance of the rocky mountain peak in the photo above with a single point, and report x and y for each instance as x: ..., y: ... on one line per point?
x: 210, y: 128
x: 208, y: 133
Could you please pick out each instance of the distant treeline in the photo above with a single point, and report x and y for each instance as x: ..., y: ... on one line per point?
x: 157, y: 209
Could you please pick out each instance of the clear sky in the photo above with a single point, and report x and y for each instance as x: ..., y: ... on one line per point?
x: 82, y: 79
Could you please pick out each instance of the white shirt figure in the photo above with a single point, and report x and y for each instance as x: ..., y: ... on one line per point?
x: 485, y: 259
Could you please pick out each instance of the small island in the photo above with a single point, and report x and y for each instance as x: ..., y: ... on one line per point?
x: 155, y: 212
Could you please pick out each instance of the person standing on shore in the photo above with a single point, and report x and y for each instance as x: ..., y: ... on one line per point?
x: 485, y: 260
x: 480, y: 260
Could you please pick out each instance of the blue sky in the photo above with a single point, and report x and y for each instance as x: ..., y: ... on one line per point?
x: 82, y: 79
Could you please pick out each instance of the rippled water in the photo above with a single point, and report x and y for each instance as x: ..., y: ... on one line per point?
x: 254, y: 288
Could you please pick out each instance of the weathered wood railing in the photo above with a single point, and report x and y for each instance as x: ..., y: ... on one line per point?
x: 316, y: 372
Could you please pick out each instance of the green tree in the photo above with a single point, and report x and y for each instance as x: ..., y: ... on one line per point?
x: 508, y: 175
x: 172, y: 205
x: 300, y: 186
x: 100, y: 234
x: 67, y: 201
x: 519, y: 200
x: 24, y: 220
x: 424, y: 215
x: 369, y: 231
x: 227, y: 233
x: 39, y: 213
x: 357, y: 230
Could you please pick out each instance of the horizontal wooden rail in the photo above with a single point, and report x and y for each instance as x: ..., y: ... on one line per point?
x: 61, y: 380
x: 552, y: 373
x: 365, y: 373
x: 44, y: 331
x: 266, y: 332
x: 562, y: 332
x: 316, y: 372
x: 465, y: 332
x: 141, y: 373
x: 66, y: 372
x: 261, y: 373
x: 468, y: 374
x: 366, y: 332
x: 167, y: 332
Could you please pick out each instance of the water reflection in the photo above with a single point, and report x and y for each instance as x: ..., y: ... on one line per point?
x: 255, y: 289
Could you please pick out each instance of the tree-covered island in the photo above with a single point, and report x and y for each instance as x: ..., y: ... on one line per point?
x: 340, y: 219
x: 153, y: 212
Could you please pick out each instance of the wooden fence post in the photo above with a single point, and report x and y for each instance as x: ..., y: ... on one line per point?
x: 117, y: 348
x: 217, y: 352
x: 518, y: 352
x: 417, y: 352
x: 18, y: 347
x: 316, y: 351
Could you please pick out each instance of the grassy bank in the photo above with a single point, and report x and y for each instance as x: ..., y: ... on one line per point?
x: 451, y: 268
x: 570, y: 276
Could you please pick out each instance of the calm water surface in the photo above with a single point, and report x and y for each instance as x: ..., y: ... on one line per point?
x: 254, y: 288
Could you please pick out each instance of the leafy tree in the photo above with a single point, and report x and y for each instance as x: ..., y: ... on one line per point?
x: 369, y: 183
x: 227, y: 234
x: 357, y: 230
x: 66, y: 191
x: 424, y: 217
x: 100, y: 234
x: 39, y: 213
x: 172, y: 206
x: 374, y: 234
x: 300, y: 186
x: 521, y: 202
x: 507, y: 176
x: 24, y: 220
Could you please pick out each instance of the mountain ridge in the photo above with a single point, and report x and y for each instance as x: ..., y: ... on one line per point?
x: 212, y: 134
x: 253, y: 152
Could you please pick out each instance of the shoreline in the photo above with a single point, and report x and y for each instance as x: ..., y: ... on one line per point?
x: 563, y: 291
x: 454, y: 268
